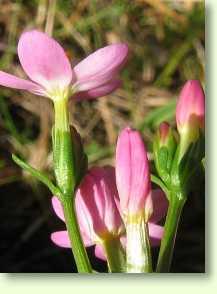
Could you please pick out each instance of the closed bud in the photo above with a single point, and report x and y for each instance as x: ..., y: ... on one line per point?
x: 134, y: 188
x: 190, y: 114
x: 164, y: 148
x: 132, y: 175
x: 164, y: 133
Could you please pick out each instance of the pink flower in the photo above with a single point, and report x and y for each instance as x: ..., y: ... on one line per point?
x: 50, y: 72
x: 98, y: 214
x: 132, y: 174
x: 190, y: 109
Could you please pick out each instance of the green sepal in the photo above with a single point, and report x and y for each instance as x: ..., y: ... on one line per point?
x: 70, y: 161
x: 42, y: 177
x: 164, y: 150
x: 80, y: 158
x: 63, y: 161
x: 185, y: 170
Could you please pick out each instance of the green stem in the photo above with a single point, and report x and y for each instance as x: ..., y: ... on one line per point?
x: 78, y: 250
x: 64, y: 167
x: 170, y: 230
x: 138, y: 248
x: 115, y: 254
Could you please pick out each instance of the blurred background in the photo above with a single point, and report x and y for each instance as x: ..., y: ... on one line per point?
x: 166, y: 41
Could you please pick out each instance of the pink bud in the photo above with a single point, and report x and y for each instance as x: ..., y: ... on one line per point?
x: 97, y: 212
x: 132, y: 174
x: 164, y: 130
x: 190, y: 110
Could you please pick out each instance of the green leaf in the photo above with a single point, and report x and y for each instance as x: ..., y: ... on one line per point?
x: 159, y: 183
x: 38, y: 175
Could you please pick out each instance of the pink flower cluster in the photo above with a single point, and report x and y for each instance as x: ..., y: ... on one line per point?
x: 107, y: 198
x: 102, y: 206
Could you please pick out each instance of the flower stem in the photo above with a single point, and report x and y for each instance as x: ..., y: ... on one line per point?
x: 115, y: 254
x: 78, y: 250
x: 65, y: 172
x: 138, y: 248
x: 170, y: 230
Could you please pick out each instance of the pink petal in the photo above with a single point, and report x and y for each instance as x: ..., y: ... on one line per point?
x: 44, y: 60
x: 84, y: 208
x: 11, y: 81
x: 100, y: 67
x: 95, y: 204
x: 57, y: 206
x: 190, y: 105
x: 99, y: 91
x: 155, y: 233
x: 61, y: 239
x: 82, y: 219
x: 160, y: 205
x: 132, y: 172
x: 107, y: 191
x: 99, y: 252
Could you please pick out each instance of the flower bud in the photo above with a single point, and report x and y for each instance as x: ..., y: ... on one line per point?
x: 132, y: 175
x: 164, y: 132
x: 190, y: 113
x: 164, y: 148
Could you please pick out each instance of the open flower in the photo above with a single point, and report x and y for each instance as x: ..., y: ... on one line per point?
x: 98, y: 216
x: 50, y: 72
x: 98, y: 213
